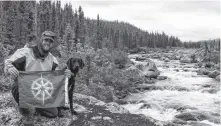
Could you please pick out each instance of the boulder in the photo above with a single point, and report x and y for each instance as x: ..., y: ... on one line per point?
x: 177, y: 70
x: 167, y: 60
x: 214, y: 74
x: 186, y: 60
x: 218, y: 78
x: 210, y: 90
x: 161, y: 77
x: 151, y: 70
x: 217, y: 66
x: 202, y: 71
x: 121, y: 101
x: 145, y: 106
x: 197, y: 116
x: 209, y: 65
x: 140, y: 58
x: 185, y: 70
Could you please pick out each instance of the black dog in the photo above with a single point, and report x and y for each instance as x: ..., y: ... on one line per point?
x: 73, y: 64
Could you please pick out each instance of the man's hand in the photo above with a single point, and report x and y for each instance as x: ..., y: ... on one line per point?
x: 13, y: 72
x: 68, y: 73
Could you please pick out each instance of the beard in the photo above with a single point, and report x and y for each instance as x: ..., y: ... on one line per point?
x: 45, y: 48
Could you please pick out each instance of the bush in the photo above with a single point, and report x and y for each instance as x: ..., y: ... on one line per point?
x: 119, y: 58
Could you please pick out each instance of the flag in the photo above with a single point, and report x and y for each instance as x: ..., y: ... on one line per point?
x: 41, y: 89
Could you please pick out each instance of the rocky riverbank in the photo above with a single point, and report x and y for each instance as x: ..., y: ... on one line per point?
x: 92, y: 112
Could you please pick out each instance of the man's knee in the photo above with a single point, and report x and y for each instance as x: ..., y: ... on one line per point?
x: 48, y: 112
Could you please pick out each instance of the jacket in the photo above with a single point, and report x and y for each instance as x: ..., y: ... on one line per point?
x: 25, y: 59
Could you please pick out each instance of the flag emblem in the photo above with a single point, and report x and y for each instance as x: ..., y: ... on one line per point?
x: 42, y: 89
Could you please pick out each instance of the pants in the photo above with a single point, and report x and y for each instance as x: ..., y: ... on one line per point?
x: 47, y: 112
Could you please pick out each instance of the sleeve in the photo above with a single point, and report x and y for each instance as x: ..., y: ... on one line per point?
x: 16, y: 60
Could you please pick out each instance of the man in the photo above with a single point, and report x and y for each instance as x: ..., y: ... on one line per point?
x: 36, y: 58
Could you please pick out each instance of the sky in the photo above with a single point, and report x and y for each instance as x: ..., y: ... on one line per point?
x: 189, y: 20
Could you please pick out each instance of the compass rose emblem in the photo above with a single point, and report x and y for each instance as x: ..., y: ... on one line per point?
x: 42, y: 89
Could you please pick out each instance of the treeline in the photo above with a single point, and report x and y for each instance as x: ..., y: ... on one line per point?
x: 213, y: 44
x: 21, y: 19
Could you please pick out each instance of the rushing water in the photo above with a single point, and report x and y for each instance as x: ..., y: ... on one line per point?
x: 183, y: 88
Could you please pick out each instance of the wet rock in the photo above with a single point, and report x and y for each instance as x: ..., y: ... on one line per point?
x: 202, y: 71
x: 218, y: 77
x: 185, y: 70
x: 145, y: 106
x: 167, y: 60
x: 208, y: 65
x: 217, y: 66
x: 179, y: 121
x: 140, y: 58
x: 177, y: 70
x: 151, y: 70
x: 148, y: 81
x: 180, y: 107
x: 197, y: 116
x: 210, y: 90
x: 214, y: 74
x: 177, y: 58
x: 121, y: 101
x: 161, y: 77
x: 143, y: 87
x: 186, y: 60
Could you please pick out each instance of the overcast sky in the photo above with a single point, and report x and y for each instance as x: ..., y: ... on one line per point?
x: 187, y: 19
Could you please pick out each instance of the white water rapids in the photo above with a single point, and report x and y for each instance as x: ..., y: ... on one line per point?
x: 183, y: 87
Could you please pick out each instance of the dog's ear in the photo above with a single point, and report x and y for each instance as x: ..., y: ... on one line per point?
x: 69, y: 63
x: 81, y: 63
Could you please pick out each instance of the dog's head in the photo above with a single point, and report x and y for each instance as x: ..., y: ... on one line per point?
x: 74, y: 64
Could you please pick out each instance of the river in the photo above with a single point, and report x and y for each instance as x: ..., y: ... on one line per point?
x: 182, y: 91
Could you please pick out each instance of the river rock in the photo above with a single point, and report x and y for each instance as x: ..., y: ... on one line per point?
x: 167, y: 60
x: 217, y: 66
x: 140, y: 58
x: 185, y: 70
x: 151, y: 70
x: 143, y: 87
x: 214, y: 74
x: 180, y: 107
x: 197, y: 116
x: 161, y: 77
x: 210, y: 90
x: 202, y: 71
x: 177, y: 57
x: 145, y: 106
x: 177, y: 70
x: 121, y: 101
x: 208, y: 65
x: 186, y: 60
x: 218, y: 77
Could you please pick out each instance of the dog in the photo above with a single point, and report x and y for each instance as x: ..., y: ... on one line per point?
x: 73, y: 64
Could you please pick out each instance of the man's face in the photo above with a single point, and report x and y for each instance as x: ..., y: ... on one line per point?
x: 47, y: 44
